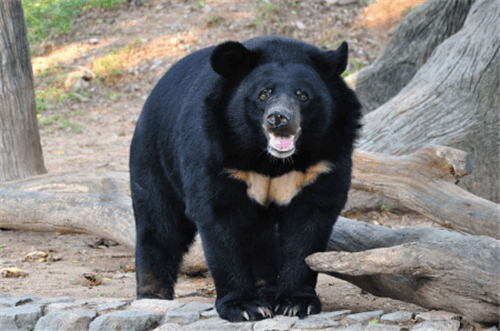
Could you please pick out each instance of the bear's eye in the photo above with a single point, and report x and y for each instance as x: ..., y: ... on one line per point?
x: 301, y: 95
x: 264, y: 94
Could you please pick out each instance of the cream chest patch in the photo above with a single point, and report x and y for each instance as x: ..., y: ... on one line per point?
x: 280, y: 190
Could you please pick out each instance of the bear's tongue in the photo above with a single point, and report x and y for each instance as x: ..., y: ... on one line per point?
x: 282, y: 144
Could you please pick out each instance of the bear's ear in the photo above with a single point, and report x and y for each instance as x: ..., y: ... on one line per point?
x: 232, y: 58
x: 333, y: 63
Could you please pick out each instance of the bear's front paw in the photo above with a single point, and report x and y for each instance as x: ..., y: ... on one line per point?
x: 298, y: 305
x: 244, y: 310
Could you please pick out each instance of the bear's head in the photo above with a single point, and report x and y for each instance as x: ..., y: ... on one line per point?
x: 285, y: 97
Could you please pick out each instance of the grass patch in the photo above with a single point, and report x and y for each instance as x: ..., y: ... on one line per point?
x: 55, y: 121
x: 45, y: 18
x: 109, y: 68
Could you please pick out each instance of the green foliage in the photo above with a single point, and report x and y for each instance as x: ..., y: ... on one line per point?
x: 356, y: 63
x: 61, y: 122
x: 198, y: 4
x: 41, y: 104
x: 45, y: 18
x: 216, y: 20
x: 385, y: 208
x: 267, y: 14
x: 345, y: 74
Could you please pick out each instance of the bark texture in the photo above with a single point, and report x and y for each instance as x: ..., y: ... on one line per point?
x: 20, y: 149
x: 454, y: 97
x: 433, y: 268
x: 425, y: 181
x: 409, y: 49
x: 84, y: 203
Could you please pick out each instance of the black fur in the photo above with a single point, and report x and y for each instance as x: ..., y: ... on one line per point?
x: 205, y: 116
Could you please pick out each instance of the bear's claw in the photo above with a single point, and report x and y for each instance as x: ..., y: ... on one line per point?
x: 300, y: 307
x: 265, y: 312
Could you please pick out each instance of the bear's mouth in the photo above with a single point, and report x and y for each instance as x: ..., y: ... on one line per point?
x: 281, y: 147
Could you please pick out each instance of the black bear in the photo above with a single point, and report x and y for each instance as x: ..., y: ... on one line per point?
x: 250, y: 145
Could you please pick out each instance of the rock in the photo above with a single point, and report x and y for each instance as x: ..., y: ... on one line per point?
x: 93, y: 41
x: 336, y: 315
x: 397, y: 317
x: 276, y: 324
x: 20, y: 318
x: 73, y: 320
x: 187, y: 294
x: 136, y: 320
x: 158, y: 305
x: 300, y: 25
x: 218, y: 324
x: 439, y: 315
x: 365, y: 317
x: 384, y: 327
x: 210, y: 313
x: 110, y: 306
x: 168, y: 327
x: 354, y: 327
x: 82, y: 84
x: 49, y: 301
x: 156, y: 64
x: 89, y: 303
x: 53, y: 307
x: 315, y: 322
x: 198, y: 307
x: 182, y: 317
x: 438, y: 326
x: 13, y: 302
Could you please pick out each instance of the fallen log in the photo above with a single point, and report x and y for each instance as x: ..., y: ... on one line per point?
x: 104, y: 210
x: 98, y: 203
x: 425, y: 181
x: 433, y: 268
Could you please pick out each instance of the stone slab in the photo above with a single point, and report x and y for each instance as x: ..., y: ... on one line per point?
x: 130, y: 320
x: 71, y: 320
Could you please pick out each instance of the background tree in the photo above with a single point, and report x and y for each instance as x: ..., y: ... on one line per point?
x: 438, y: 83
x: 20, y: 149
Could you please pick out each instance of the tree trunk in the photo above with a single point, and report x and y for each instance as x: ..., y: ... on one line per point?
x: 433, y: 268
x: 409, y: 49
x: 20, y: 150
x: 454, y: 97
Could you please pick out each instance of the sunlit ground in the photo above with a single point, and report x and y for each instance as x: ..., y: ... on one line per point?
x: 388, y: 13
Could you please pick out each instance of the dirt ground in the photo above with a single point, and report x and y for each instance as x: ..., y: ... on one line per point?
x: 106, y: 109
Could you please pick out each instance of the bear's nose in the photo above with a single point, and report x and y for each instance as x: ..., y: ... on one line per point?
x: 277, y: 120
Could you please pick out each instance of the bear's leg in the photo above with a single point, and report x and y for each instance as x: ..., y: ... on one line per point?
x: 264, y: 259
x: 304, y: 230
x: 163, y: 236
x: 226, y: 244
